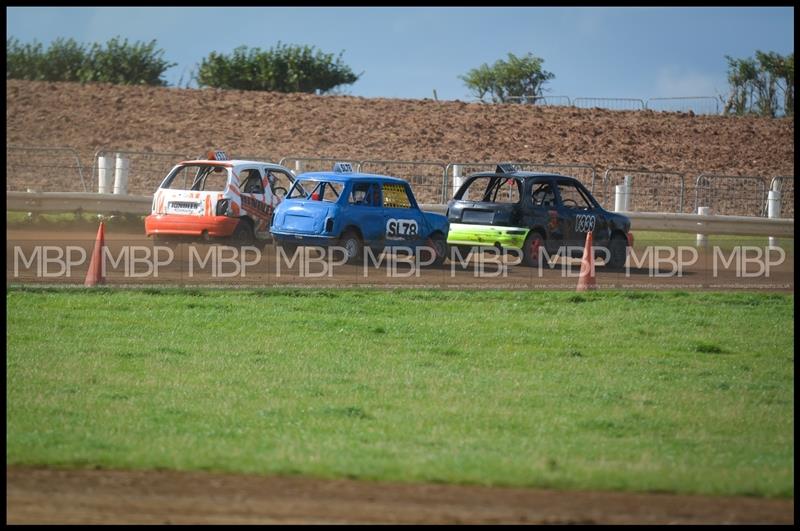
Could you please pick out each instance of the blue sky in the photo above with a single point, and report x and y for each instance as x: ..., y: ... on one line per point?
x: 407, y: 52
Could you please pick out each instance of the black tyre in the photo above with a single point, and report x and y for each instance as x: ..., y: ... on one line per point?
x: 618, y: 248
x: 531, y: 249
x: 440, y: 248
x: 353, y: 246
x: 243, y: 234
x: 288, y: 248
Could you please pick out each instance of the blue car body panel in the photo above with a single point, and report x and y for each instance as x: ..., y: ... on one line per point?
x: 382, y: 209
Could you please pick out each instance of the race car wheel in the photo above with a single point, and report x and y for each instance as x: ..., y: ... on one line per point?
x: 533, y: 245
x: 465, y: 250
x: 288, y: 248
x: 243, y: 234
x: 352, y: 245
x: 439, y: 246
x: 618, y: 248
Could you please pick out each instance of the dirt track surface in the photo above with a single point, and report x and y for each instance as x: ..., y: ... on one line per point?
x: 89, y: 117
x: 109, y: 496
x: 225, y: 266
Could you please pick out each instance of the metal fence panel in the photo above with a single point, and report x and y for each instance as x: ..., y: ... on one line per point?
x: 734, y: 195
x: 696, y: 104
x: 585, y: 173
x: 426, y: 178
x: 651, y: 191
x: 255, y: 158
x: 45, y: 169
x: 612, y: 104
x: 303, y: 164
x: 785, y: 184
x: 58, y: 169
x: 147, y: 168
x: 554, y: 101
x: 541, y: 100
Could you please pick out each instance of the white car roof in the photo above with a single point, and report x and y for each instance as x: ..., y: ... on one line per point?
x: 235, y: 162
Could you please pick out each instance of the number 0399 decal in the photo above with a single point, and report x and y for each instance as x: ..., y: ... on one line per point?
x: 584, y: 223
x: 398, y: 229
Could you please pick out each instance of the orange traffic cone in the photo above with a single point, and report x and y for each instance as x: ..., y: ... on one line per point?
x: 586, y: 281
x: 95, y: 274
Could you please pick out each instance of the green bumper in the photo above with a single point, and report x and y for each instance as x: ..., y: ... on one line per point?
x: 507, y: 237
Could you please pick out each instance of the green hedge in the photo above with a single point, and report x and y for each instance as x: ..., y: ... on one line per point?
x: 66, y: 60
x: 283, y: 68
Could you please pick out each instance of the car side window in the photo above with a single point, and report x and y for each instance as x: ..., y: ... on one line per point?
x: 250, y: 182
x: 395, y: 196
x: 542, y: 195
x: 365, y: 194
x: 572, y: 197
x: 279, y: 181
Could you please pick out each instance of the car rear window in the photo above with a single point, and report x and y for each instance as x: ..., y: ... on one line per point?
x: 493, y: 190
x: 316, y: 190
x: 198, y: 177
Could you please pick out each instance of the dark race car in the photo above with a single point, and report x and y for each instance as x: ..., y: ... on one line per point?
x: 529, y: 211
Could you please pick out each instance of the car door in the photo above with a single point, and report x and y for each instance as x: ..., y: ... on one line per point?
x: 403, y: 223
x: 254, y: 200
x: 601, y: 232
x: 364, y: 203
x: 579, y: 214
x: 545, y: 212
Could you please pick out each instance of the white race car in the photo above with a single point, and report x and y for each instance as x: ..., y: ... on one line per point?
x: 218, y: 198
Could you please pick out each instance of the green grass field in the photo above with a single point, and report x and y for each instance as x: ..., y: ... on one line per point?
x: 639, y: 391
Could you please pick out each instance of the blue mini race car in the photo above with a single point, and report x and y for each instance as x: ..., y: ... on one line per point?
x: 355, y: 210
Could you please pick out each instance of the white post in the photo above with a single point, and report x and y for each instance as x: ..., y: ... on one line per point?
x: 622, y: 196
x: 121, y: 175
x: 619, y: 198
x: 773, y: 211
x: 457, y: 180
x: 298, y: 167
x: 702, y: 239
x: 105, y: 174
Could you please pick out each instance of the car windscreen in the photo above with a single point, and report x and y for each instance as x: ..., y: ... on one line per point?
x: 316, y: 190
x: 198, y: 177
